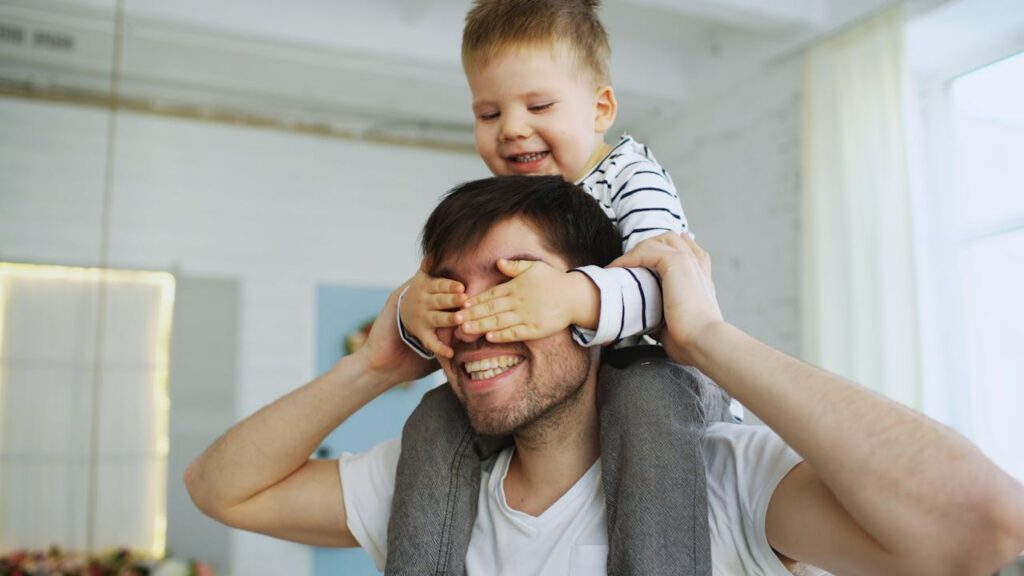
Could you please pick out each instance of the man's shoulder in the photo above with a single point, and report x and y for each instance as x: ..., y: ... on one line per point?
x: 377, y: 465
x: 368, y: 486
x: 751, y: 459
x: 744, y: 464
x: 743, y: 439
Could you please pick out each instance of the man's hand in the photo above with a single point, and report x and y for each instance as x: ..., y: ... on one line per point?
x: 537, y: 302
x: 426, y: 307
x: 687, y: 289
x: 386, y: 358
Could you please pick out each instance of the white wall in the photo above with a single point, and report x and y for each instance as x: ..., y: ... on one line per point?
x: 279, y: 212
x: 735, y: 159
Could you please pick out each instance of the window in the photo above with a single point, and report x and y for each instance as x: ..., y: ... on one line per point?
x: 987, y: 129
x: 972, y: 276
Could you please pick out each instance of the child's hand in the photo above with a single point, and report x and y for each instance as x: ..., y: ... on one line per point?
x: 425, y: 309
x: 387, y: 358
x: 537, y: 302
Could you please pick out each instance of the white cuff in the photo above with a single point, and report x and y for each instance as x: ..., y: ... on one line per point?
x: 609, y: 321
x: 410, y: 340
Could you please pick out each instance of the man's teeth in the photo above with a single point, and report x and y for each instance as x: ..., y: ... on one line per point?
x: 531, y: 157
x: 491, y: 367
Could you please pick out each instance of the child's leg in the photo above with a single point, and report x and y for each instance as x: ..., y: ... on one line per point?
x: 652, y: 425
x: 437, y: 486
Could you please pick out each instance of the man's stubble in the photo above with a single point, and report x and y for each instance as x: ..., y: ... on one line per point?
x: 553, y: 388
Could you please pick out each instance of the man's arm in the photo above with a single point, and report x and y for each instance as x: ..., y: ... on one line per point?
x: 258, y: 475
x: 883, y: 490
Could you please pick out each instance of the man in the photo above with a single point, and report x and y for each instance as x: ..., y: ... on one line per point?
x: 868, y: 487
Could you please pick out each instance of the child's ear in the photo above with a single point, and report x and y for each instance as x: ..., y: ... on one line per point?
x: 606, y: 109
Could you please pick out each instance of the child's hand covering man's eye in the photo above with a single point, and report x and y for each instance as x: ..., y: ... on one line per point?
x: 537, y: 302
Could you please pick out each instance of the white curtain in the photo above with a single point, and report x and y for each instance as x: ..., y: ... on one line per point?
x: 78, y: 348
x: 859, y: 301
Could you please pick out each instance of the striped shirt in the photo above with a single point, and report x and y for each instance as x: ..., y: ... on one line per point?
x: 638, y: 196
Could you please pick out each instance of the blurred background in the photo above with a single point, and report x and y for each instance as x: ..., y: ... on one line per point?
x: 202, y: 202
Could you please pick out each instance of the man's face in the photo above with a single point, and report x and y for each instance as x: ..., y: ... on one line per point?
x: 506, y: 387
x: 535, y: 114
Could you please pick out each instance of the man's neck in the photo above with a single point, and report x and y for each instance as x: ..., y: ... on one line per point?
x: 552, y: 455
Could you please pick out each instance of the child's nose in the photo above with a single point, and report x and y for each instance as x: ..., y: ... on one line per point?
x: 514, y: 126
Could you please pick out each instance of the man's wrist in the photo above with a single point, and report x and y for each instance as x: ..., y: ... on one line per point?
x: 701, y: 347
x: 357, y: 373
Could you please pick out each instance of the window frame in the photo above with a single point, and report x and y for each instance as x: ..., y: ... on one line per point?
x: 931, y: 152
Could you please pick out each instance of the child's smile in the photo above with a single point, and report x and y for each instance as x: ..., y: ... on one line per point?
x: 529, y: 163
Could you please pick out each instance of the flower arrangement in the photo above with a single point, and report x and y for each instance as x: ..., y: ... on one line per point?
x: 121, y: 562
x: 355, y: 339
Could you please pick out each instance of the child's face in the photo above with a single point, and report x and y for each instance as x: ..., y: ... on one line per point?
x: 536, y: 115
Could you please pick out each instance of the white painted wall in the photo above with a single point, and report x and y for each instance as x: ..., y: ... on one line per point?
x: 279, y: 212
x: 735, y: 159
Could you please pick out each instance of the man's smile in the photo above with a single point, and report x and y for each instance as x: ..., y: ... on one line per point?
x: 483, y: 369
x: 491, y: 367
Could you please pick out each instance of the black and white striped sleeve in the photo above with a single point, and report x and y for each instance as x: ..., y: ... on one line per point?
x: 630, y: 304
x: 645, y: 204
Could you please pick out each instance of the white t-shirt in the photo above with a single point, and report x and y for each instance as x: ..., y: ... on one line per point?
x: 744, y: 464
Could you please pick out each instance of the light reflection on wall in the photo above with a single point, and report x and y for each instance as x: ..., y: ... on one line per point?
x: 12, y: 273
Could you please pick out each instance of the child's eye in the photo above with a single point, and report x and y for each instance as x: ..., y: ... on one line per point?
x: 541, y: 107
x: 488, y: 115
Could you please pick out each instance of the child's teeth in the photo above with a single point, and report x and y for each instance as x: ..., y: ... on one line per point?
x: 532, y: 157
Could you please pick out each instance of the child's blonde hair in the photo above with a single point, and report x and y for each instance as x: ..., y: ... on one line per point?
x: 494, y: 25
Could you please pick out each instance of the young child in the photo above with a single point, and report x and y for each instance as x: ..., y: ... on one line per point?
x: 542, y: 99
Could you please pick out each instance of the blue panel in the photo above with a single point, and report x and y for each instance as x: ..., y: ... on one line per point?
x: 341, y: 310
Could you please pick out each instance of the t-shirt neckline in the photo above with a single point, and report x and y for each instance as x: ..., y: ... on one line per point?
x: 586, y: 485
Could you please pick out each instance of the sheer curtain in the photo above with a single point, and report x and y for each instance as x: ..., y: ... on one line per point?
x: 859, y: 311
x: 83, y: 407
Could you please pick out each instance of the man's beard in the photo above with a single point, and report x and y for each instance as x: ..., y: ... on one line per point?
x: 546, y: 393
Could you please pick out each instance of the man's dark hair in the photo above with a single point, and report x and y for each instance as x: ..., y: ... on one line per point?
x: 569, y: 221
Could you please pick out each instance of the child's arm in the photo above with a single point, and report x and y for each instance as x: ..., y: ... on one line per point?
x: 423, y: 307
x: 616, y: 303
x: 538, y: 301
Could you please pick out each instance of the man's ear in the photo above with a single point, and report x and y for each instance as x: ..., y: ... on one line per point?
x: 606, y: 109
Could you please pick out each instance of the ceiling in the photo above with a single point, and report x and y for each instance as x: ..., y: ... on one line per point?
x: 384, y: 70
